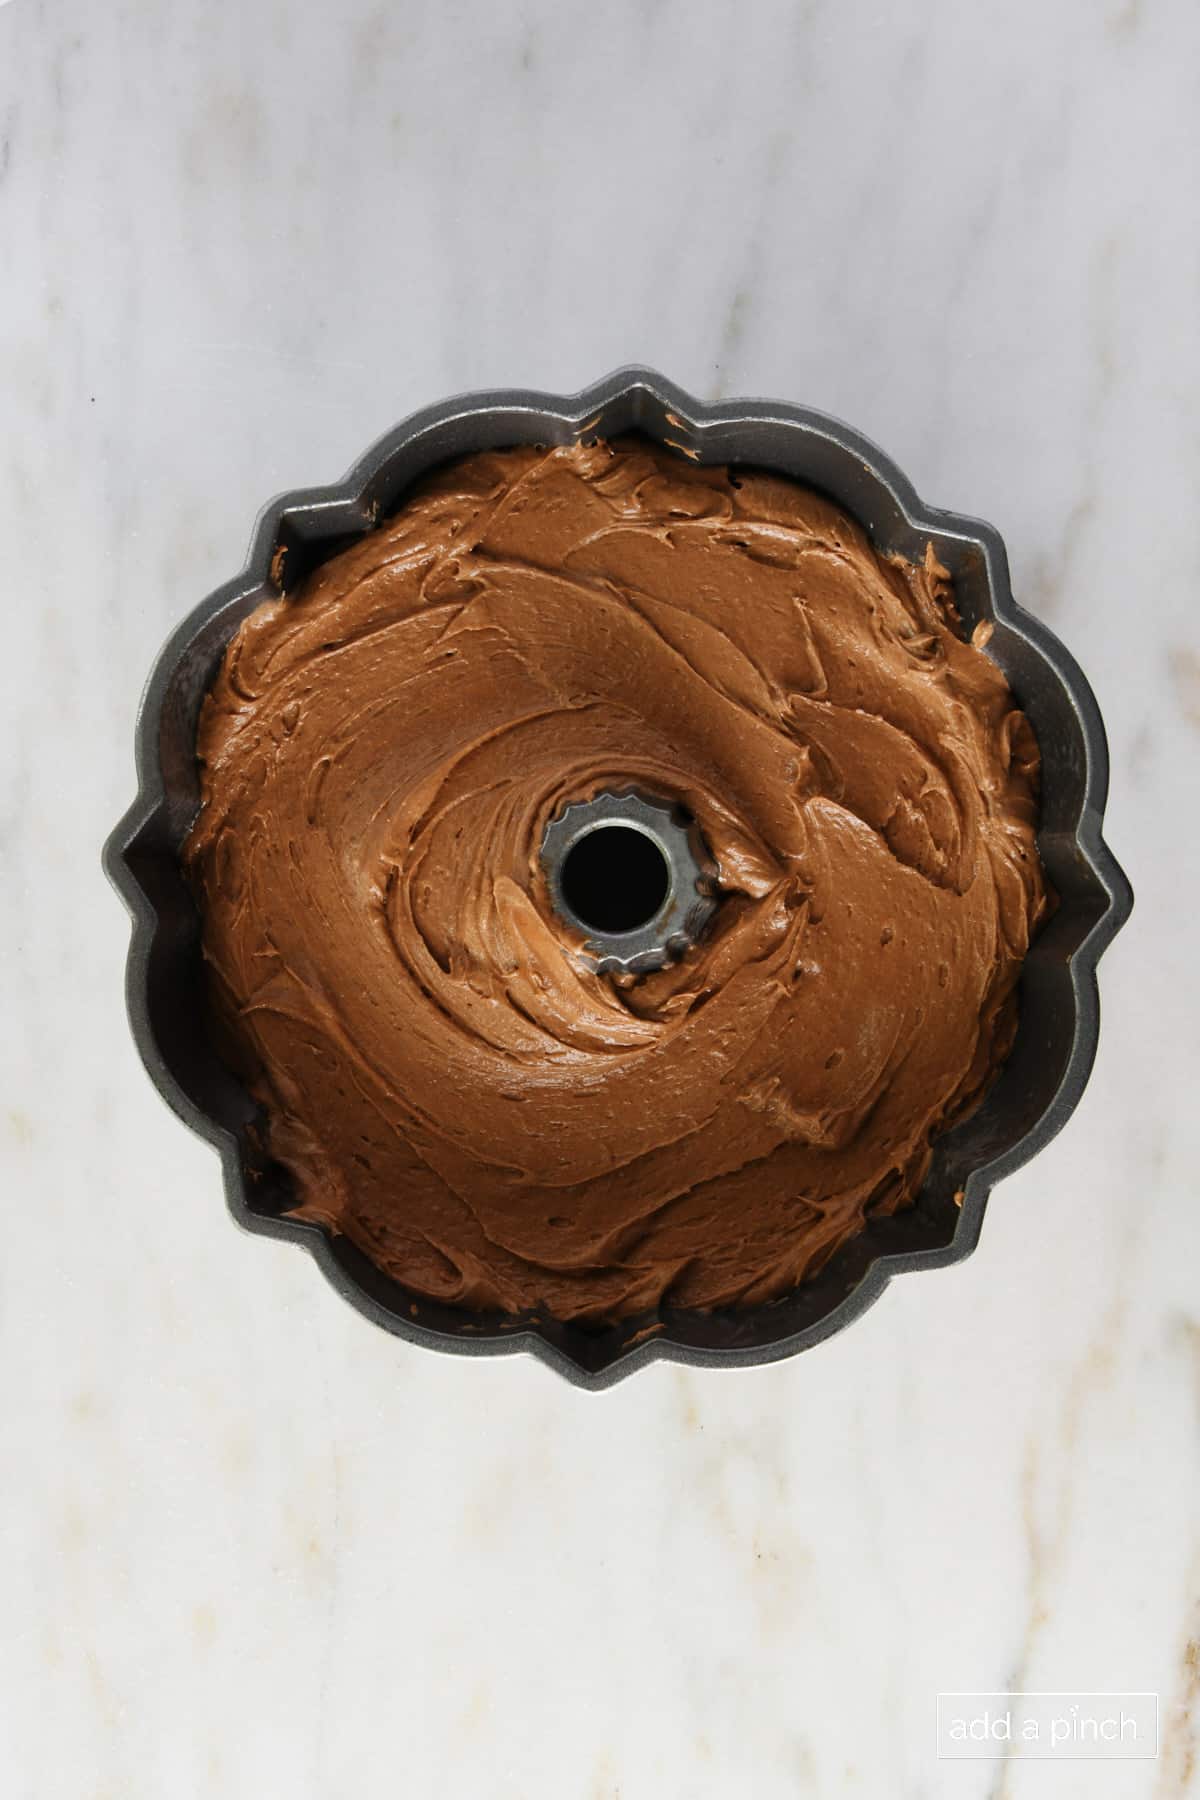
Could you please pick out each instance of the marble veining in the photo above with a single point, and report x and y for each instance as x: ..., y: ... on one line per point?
x: 251, y: 1545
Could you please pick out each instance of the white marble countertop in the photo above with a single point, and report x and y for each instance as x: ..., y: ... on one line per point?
x: 249, y: 1544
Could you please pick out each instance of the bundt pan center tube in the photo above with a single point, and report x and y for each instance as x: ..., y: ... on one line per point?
x: 651, y: 887
x: 632, y: 877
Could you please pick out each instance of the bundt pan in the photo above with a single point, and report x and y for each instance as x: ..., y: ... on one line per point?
x: 1039, y: 1086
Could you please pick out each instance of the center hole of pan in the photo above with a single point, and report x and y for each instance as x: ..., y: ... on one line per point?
x: 615, y: 878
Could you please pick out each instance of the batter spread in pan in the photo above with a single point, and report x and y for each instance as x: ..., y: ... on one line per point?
x: 447, y: 1079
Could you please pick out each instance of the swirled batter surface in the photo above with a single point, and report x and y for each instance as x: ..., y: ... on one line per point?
x: 448, y: 1084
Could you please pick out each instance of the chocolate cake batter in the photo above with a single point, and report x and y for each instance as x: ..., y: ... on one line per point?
x: 444, y: 1076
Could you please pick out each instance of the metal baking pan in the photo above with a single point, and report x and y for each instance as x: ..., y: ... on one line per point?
x: 1055, y: 1046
